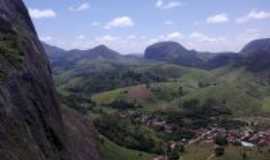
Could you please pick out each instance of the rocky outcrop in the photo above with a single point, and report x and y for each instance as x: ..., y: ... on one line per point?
x: 256, y: 56
x: 173, y: 52
x: 259, y: 45
x: 31, y: 123
x: 81, y: 136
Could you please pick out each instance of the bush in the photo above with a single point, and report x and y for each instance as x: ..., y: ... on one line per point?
x: 82, y: 105
x: 9, y: 48
x: 221, y: 140
x: 219, y: 151
x: 124, y: 105
x: 191, y: 104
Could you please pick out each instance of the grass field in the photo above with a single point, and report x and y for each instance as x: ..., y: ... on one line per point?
x: 266, y: 104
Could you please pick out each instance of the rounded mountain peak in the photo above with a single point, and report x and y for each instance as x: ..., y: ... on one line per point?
x: 260, y: 45
x: 165, y: 50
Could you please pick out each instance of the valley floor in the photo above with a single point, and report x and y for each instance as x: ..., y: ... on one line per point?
x: 183, y: 117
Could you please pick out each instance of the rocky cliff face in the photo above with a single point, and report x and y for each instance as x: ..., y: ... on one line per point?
x: 31, y: 123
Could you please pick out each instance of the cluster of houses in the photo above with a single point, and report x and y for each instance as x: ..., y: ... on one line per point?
x: 244, y: 137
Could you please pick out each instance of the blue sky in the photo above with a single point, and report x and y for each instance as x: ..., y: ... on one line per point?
x: 128, y: 26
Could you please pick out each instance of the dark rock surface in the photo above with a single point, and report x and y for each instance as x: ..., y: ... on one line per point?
x: 31, y: 123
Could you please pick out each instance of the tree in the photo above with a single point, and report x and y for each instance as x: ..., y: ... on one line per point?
x: 192, y: 103
x: 181, y: 91
x: 220, y: 141
x: 173, y: 155
x: 219, y: 151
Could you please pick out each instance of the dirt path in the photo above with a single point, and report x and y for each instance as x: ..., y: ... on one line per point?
x: 211, y: 157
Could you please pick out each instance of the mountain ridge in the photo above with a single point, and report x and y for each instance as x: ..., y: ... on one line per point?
x: 173, y: 52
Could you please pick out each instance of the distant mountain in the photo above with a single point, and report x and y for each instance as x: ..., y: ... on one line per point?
x: 56, y: 55
x: 222, y: 59
x: 256, y: 55
x: 53, y: 51
x: 172, y: 52
x: 64, y: 60
x: 168, y: 52
x: 138, y: 55
x: 99, y: 52
x: 262, y: 45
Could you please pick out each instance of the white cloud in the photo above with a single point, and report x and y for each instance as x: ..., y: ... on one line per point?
x: 130, y: 37
x: 159, y: 3
x: 219, y: 18
x: 120, y: 22
x: 204, y: 38
x: 172, y: 5
x: 81, y: 7
x: 174, y: 35
x: 106, y: 39
x: 169, y: 5
x: 249, y: 34
x: 81, y: 37
x: 38, y: 14
x: 95, y: 24
x: 169, y: 22
x: 46, y: 38
x: 254, y: 15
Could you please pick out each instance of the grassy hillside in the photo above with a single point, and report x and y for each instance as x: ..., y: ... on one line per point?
x: 112, y: 151
x: 86, y: 78
x: 238, y: 90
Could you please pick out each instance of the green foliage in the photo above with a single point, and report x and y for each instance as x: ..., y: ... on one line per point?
x: 110, y: 96
x: 175, y: 153
x: 205, y: 151
x: 237, y: 91
x: 181, y: 91
x: 112, y: 151
x: 125, y: 132
x: 124, y: 105
x: 99, y: 76
x: 9, y: 48
x: 221, y: 140
x: 80, y: 104
x: 192, y: 103
x: 266, y: 104
x: 108, y: 80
